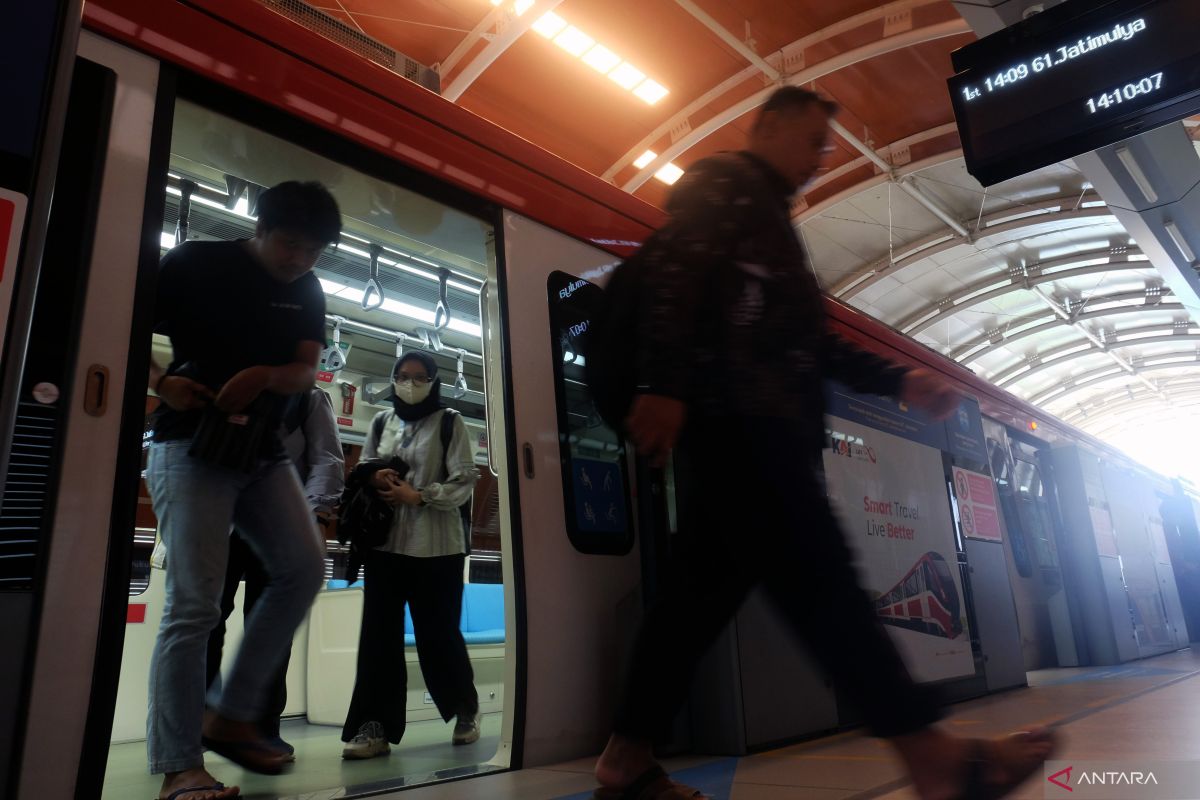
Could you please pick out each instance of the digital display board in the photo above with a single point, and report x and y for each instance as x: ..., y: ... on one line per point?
x: 1072, y: 79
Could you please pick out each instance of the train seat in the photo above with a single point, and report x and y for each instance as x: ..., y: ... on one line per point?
x: 333, y: 651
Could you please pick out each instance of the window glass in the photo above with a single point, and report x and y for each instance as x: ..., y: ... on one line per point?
x: 595, y: 481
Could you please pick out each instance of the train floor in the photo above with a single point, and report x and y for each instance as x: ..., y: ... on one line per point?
x: 425, y: 754
x: 1144, y: 711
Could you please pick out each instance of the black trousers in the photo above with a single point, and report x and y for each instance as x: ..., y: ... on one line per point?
x: 433, y: 590
x: 244, y: 564
x: 750, y: 516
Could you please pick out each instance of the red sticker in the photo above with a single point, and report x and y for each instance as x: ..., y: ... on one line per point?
x: 136, y: 615
x: 325, y: 377
x: 7, y: 211
x: 345, y: 421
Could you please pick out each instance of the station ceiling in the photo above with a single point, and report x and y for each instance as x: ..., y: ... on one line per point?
x: 1032, y: 283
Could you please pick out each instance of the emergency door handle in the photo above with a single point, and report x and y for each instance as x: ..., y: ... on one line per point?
x: 527, y: 450
x: 95, y: 395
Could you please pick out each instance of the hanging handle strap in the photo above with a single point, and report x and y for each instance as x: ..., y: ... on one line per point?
x: 373, y: 295
x: 186, y: 188
x: 441, y: 315
x: 460, y: 382
x: 401, y: 338
x: 334, y: 360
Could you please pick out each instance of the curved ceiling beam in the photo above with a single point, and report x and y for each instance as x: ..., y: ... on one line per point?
x: 1134, y: 412
x: 970, y: 353
x: 1094, y: 351
x: 480, y: 31
x: 728, y: 38
x: 807, y: 212
x: 989, y: 340
x: 775, y: 60
x: 1147, y: 334
x: 1104, y: 404
x: 503, y: 40
x: 1066, y: 313
x: 1007, y: 220
x: 1011, y: 281
x: 842, y: 60
x: 883, y: 153
x: 1093, y: 377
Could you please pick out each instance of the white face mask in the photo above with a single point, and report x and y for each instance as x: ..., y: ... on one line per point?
x: 411, y: 392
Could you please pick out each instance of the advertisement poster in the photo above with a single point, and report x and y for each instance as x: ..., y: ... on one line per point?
x: 890, y: 498
x: 977, y: 513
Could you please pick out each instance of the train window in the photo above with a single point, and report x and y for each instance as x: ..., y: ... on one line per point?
x: 1034, y: 513
x: 595, y: 481
x: 407, y: 273
x: 1001, y: 465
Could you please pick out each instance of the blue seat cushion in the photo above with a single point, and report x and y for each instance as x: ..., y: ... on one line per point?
x: 493, y: 636
x: 483, y: 608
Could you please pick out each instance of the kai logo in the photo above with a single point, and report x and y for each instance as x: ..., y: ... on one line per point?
x: 570, y: 289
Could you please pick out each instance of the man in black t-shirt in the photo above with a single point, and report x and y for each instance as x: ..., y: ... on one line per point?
x: 246, y: 321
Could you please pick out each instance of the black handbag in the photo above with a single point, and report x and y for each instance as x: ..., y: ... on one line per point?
x: 233, y: 441
x: 365, y: 520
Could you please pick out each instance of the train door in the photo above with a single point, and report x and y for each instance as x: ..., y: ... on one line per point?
x: 581, y: 570
x: 417, y: 266
x: 1027, y: 502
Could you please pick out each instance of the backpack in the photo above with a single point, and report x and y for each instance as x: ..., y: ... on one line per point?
x: 446, y: 434
x: 608, y: 344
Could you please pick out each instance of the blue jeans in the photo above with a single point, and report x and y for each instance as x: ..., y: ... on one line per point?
x: 196, y: 505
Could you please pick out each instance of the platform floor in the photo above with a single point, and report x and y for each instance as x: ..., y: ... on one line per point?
x: 1147, y: 709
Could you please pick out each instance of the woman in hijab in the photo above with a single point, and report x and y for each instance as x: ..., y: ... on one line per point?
x: 420, y: 564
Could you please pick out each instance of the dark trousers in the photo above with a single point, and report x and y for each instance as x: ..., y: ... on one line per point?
x: 433, y: 590
x: 244, y: 564
x: 754, y: 513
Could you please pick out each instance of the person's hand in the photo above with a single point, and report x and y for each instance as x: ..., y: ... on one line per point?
x: 930, y: 393
x: 384, y: 479
x: 654, y: 424
x: 401, y: 493
x: 243, y: 389
x: 183, y: 394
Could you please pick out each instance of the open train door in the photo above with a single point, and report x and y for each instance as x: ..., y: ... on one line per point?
x: 577, y: 560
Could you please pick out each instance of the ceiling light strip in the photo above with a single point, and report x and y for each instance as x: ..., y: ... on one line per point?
x: 579, y: 44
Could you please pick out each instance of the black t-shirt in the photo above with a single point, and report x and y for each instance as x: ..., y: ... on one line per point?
x: 224, y: 313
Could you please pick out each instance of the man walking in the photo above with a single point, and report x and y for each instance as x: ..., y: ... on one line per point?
x: 247, y: 323
x: 734, y: 350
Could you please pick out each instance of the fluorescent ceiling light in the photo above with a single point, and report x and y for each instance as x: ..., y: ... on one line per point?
x: 549, y: 25
x: 601, y: 59
x: 1177, y: 237
x: 669, y: 174
x: 651, y: 92
x: 1135, y: 172
x: 521, y: 6
x: 574, y: 41
x: 645, y: 158
x: 627, y: 76
x: 166, y: 241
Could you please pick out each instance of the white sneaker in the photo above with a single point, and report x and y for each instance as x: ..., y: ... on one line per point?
x: 370, y: 742
x: 466, y: 728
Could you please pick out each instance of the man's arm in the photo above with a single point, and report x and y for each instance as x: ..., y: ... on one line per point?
x: 323, y: 448
x: 292, y: 378
x: 864, y: 371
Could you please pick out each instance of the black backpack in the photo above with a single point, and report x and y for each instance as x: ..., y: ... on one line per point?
x: 447, y: 433
x: 609, y: 343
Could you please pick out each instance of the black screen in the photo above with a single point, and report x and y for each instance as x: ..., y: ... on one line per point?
x: 1080, y: 76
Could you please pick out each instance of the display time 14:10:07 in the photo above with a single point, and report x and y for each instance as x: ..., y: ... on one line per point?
x: 1126, y: 93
